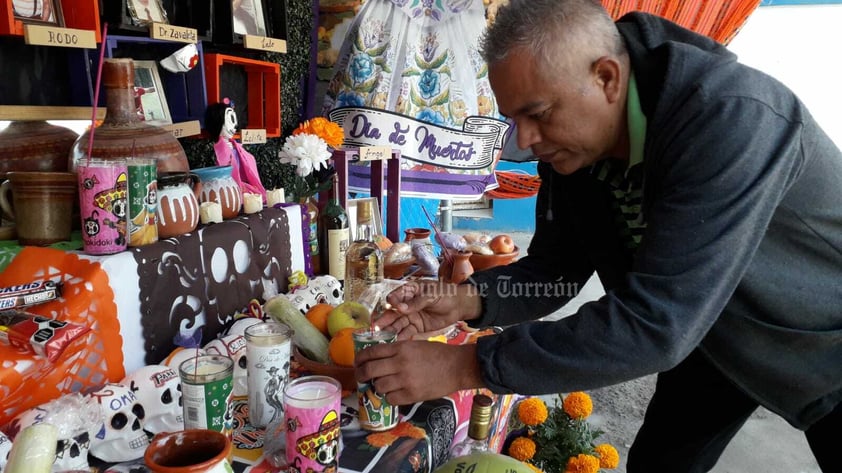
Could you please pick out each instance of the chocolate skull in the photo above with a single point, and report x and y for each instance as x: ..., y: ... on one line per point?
x: 158, y: 388
x: 121, y: 437
x: 234, y: 347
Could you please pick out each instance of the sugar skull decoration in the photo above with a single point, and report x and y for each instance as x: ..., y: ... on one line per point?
x: 121, y: 436
x: 76, y: 418
x: 321, y: 289
x: 221, y: 124
x: 234, y: 347
x: 158, y: 388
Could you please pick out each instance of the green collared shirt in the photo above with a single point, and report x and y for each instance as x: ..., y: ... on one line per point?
x: 626, y: 178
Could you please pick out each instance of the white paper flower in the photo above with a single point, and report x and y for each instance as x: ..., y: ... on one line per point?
x: 306, y: 152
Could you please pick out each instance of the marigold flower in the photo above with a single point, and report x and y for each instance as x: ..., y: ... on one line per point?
x: 380, y: 439
x: 578, y: 405
x: 532, y: 411
x: 608, y: 456
x: 522, y: 449
x: 582, y: 464
x: 325, y: 129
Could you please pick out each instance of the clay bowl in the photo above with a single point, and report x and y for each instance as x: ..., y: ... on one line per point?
x: 343, y: 374
x: 397, y: 270
x: 481, y: 262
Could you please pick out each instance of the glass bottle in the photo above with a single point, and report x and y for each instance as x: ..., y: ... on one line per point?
x: 364, y: 260
x: 335, y: 236
x: 478, y: 427
x: 309, y: 204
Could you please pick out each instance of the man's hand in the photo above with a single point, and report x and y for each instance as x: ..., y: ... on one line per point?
x: 413, y: 371
x: 425, y: 306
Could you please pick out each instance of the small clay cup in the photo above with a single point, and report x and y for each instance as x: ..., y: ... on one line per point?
x: 189, y: 451
x: 41, y: 204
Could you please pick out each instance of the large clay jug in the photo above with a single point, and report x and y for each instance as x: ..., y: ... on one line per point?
x: 218, y: 185
x: 122, y: 133
x: 178, y: 203
x: 35, y: 146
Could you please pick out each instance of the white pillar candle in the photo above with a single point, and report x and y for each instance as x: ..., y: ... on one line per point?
x: 252, y: 203
x: 275, y: 196
x: 210, y: 212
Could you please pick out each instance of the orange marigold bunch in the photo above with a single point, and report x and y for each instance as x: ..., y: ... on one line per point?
x: 559, y: 439
x: 325, y: 129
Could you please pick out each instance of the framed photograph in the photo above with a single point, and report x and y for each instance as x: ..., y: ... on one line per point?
x: 248, y: 17
x: 42, y: 12
x: 352, y: 211
x: 150, y: 100
x: 146, y: 12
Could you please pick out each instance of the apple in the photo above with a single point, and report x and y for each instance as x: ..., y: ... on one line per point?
x: 347, y: 314
x: 501, y: 244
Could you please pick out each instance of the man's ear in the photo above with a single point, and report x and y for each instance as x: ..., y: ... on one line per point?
x: 607, y: 72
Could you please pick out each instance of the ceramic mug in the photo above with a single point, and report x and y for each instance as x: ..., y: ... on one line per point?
x: 189, y: 451
x: 41, y: 204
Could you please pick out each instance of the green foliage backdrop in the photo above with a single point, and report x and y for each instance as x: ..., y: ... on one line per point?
x: 295, y: 70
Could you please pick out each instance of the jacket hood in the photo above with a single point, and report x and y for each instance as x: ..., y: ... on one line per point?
x: 659, y: 49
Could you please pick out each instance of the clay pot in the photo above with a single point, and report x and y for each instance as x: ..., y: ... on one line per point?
x: 457, y: 267
x: 218, y: 185
x: 189, y: 451
x: 416, y: 234
x: 482, y: 262
x: 41, y: 204
x: 35, y: 146
x: 178, y: 203
x: 122, y: 133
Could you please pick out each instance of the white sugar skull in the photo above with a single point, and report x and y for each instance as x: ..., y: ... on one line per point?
x: 121, y: 437
x: 240, y: 325
x: 76, y: 418
x: 321, y: 289
x: 234, y: 347
x: 179, y: 355
x: 158, y: 388
x: 5, y: 448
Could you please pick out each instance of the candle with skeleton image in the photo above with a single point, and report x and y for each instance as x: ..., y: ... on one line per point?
x: 312, y: 406
x: 376, y: 414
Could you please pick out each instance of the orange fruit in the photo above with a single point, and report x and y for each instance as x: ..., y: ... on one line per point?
x: 341, y: 347
x: 317, y: 315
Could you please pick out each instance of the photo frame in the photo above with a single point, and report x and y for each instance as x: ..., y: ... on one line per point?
x: 150, y: 99
x: 351, y: 210
x: 249, y: 17
x: 146, y: 12
x: 39, y: 12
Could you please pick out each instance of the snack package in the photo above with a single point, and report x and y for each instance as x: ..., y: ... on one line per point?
x: 37, y: 334
x: 23, y: 295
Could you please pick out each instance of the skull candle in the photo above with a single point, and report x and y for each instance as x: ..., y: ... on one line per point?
x: 121, y: 437
x: 158, y: 388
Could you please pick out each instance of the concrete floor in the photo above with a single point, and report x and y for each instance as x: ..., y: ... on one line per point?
x: 765, y: 444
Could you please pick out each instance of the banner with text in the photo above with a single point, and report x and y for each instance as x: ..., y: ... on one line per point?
x: 436, y: 162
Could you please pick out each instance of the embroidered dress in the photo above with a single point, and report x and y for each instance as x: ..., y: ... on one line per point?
x: 418, y: 58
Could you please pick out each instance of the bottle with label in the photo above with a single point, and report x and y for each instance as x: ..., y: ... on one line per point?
x: 364, y: 260
x: 478, y: 427
x: 312, y: 209
x: 335, y: 235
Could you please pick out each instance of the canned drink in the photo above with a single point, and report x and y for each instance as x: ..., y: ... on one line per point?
x: 376, y: 414
x: 267, y: 355
x: 207, y: 385
x: 103, y: 189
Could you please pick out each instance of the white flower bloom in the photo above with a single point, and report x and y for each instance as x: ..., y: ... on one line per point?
x: 307, y: 152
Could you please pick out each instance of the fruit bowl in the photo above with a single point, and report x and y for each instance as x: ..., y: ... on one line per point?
x: 481, y: 262
x: 343, y: 374
x: 397, y: 270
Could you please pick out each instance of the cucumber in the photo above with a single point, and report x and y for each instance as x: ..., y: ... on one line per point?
x: 306, y: 337
x: 34, y: 450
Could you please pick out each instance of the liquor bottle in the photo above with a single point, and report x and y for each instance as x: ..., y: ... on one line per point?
x: 335, y: 235
x: 478, y: 426
x: 364, y: 260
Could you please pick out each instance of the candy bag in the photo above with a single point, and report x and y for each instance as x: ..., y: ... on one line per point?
x: 38, y: 334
